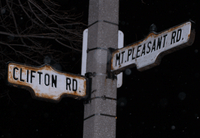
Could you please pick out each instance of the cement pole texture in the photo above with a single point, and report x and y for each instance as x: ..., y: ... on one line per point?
x: 100, y: 111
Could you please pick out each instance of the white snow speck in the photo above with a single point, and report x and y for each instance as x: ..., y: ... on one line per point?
x: 173, y: 127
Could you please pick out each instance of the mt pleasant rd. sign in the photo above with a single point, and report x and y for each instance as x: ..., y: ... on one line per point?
x: 47, y: 83
x: 148, y: 52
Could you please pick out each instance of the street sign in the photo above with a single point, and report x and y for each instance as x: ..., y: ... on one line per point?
x: 120, y: 45
x: 84, y: 54
x: 148, y: 52
x: 47, y: 83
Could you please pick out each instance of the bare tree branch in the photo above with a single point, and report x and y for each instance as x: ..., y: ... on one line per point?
x: 31, y: 29
x: 143, y: 1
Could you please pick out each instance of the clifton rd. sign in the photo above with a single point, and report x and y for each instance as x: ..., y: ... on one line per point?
x: 45, y: 82
x: 148, y: 52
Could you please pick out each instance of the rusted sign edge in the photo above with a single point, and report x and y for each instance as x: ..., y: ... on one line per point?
x: 162, y: 54
x: 159, y: 57
x: 88, y: 85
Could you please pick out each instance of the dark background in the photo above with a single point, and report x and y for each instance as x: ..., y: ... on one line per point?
x: 161, y: 102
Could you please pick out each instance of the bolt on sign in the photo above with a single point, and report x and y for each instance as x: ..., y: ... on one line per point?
x: 148, y: 52
x: 47, y: 83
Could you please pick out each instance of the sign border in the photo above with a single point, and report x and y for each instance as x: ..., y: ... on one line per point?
x: 88, y: 85
x: 159, y: 57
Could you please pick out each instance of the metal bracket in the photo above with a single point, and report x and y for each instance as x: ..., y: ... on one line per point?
x: 110, y: 74
x: 89, y: 86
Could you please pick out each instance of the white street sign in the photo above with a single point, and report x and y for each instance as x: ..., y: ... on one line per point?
x: 84, y: 54
x: 120, y: 45
x: 47, y: 83
x: 148, y: 52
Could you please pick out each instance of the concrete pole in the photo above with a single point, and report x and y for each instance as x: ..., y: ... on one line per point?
x: 100, y: 113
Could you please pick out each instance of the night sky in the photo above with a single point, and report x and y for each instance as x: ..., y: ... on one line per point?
x: 162, y: 102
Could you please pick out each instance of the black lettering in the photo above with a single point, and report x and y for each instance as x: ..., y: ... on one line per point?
x: 32, y: 76
x: 74, y: 86
x: 149, y: 47
x: 68, y: 83
x: 20, y: 76
x: 138, y: 50
x: 173, y: 37
x: 178, y: 37
x: 27, y: 75
x: 54, y: 80
x: 117, y: 59
x: 122, y: 57
x: 15, y: 68
x: 129, y: 53
x: 133, y: 54
x: 164, y: 40
x: 46, y: 79
x: 143, y: 50
x: 154, y: 45
x: 159, y: 42
x: 39, y: 77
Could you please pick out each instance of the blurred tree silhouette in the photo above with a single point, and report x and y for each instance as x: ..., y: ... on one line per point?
x: 31, y: 30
